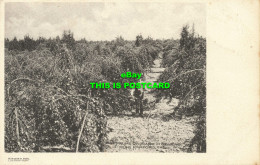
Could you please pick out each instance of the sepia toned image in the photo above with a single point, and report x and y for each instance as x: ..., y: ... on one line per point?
x: 61, y: 57
x: 129, y: 82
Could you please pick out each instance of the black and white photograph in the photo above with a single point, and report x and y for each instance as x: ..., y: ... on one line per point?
x: 105, y: 77
x: 129, y: 82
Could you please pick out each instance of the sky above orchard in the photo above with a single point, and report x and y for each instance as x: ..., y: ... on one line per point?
x: 103, y: 21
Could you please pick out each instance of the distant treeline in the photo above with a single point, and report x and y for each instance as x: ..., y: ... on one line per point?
x: 28, y: 43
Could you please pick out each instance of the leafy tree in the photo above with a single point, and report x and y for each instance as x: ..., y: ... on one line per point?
x: 46, y: 108
x: 49, y: 103
x: 186, y: 72
x: 187, y: 41
x: 68, y: 39
x: 139, y: 40
x: 28, y: 43
x: 14, y: 44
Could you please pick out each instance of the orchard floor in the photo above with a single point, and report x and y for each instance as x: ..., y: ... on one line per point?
x: 154, y: 132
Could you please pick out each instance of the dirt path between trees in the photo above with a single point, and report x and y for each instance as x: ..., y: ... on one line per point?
x: 153, y: 133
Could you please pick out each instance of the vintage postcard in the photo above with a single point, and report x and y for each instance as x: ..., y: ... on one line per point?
x: 129, y: 82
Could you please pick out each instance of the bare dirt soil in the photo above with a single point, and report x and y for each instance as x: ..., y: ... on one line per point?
x: 154, y: 132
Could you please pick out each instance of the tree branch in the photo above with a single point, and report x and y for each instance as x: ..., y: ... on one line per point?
x: 186, y: 73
